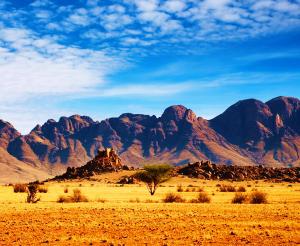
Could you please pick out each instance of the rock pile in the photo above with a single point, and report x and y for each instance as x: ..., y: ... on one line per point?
x: 105, y: 161
x: 208, y: 170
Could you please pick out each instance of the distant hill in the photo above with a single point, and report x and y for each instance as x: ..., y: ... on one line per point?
x: 249, y: 132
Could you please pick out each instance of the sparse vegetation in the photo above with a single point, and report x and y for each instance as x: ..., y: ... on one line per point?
x: 239, y: 198
x: 241, y: 189
x: 179, y: 188
x: 136, y: 200
x: 171, y: 197
x: 134, y: 215
x: 20, y: 188
x: 76, y: 197
x: 258, y: 197
x: 42, y: 189
x: 66, y: 190
x: 153, y: 175
x: 203, y: 197
x: 31, y: 195
x: 227, y: 188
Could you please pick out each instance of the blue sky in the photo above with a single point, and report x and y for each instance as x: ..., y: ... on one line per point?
x: 103, y: 58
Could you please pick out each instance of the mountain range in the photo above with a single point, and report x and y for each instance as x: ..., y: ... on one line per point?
x: 250, y: 132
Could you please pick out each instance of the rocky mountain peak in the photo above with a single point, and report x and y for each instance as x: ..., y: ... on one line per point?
x: 175, y: 113
x: 7, y: 133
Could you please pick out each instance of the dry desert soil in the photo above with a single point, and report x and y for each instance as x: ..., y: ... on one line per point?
x: 128, y: 215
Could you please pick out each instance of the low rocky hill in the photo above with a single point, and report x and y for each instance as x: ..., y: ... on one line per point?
x: 208, y: 170
x: 105, y: 161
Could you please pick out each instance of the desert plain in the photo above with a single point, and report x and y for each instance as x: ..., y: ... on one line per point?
x: 117, y: 214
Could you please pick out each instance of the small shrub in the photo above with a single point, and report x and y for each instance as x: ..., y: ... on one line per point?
x: 241, y: 189
x: 227, y: 188
x: 101, y: 200
x: 62, y: 199
x: 203, y: 197
x: 171, y: 197
x: 31, y: 195
x: 150, y: 201
x: 76, y: 197
x: 136, y: 200
x: 200, y: 189
x: 258, y: 197
x: 187, y: 190
x: 239, y: 198
x: 66, y: 190
x: 42, y: 189
x: 249, y: 185
x: 179, y: 188
x: 218, y: 185
x: 20, y: 188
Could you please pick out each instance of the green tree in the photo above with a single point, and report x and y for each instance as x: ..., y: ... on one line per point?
x: 153, y: 175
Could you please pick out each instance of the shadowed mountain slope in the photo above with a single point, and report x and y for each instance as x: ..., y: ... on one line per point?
x: 249, y: 132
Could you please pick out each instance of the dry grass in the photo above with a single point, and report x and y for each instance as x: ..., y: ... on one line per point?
x: 42, y: 189
x: 258, y: 197
x: 171, y: 197
x: 76, y: 197
x: 129, y: 217
x: 241, y: 189
x: 20, y: 188
x: 227, y: 188
x: 203, y: 197
x: 179, y: 188
x: 239, y: 198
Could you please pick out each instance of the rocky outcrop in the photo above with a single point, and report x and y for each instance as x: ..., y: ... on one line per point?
x: 105, y: 161
x: 208, y: 170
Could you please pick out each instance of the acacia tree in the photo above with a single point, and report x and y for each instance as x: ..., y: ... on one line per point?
x: 153, y: 175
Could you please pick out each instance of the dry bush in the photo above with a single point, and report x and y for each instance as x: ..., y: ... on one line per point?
x: 203, y: 197
x: 66, y: 190
x: 20, y: 188
x: 239, y: 198
x: 171, y: 197
x: 200, y: 189
x: 136, y: 200
x: 179, y: 188
x: 101, y: 200
x: 76, y: 197
x: 241, y: 189
x: 62, y: 199
x: 258, y: 197
x: 227, y: 188
x: 42, y: 189
x: 187, y: 190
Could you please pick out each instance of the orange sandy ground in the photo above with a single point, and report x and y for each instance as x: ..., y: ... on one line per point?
x: 119, y: 221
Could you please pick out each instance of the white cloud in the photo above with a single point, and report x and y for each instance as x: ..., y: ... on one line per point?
x: 174, y: 6
x: 146, y: 5
x: 34, y: 68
